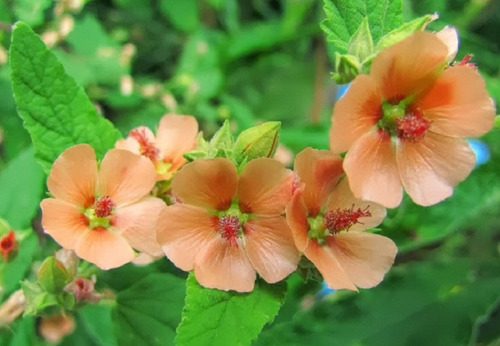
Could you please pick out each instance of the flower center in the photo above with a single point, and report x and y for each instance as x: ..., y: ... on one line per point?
x: 229, y: 227
x: 341, y: 220
x: 103, y: 206
x: 403, y: 120
x: 147, y: 148
x: 412, y: 127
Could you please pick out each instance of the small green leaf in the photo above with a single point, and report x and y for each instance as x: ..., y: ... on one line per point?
x: 53, y: 276
x: 38, y: 300
x: 404, y: 31
x: 213, y: 317
x: 222, y: 139
x: 361, y: 43
x: 148, y: 312
x: 56, y: 112
x: 258, y: 141
x: 343, y: 19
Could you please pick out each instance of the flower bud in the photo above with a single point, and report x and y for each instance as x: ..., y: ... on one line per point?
x: 258, y: 141
x: 53, y: 276
x: 8, y: 246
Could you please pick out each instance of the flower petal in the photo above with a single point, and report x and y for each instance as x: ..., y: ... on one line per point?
x: 270, y: 248
x: 137, y: 224
x: 63, y: 222
x: 431, y: 167
x: 182, y: 231
x: 225, y: 267
x: 364, y: 257
x: 409, y: 66
x: 328, y: 265
x: 296, y: 216
x: 449, y: 36
x: 208, y: 183
x: 73, y: 176
x: 265, y: 187
x: 342, y: 198
x: 355, y: 114
x: 371, y: 169
x: 176, y: 135
x: 104, y: 248
x: 319, y: 170
x: 458, y: 104
x: 125, y: 177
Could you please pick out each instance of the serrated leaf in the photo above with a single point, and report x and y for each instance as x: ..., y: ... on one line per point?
x: 213, y: 317
x: 148, y: 312
x: 343, y: 18
x: 56, y: 112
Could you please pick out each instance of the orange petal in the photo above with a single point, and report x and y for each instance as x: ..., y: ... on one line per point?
x: 409, y: 66
x: 449, y: 36
x: 63, y: 222
x: 137, y: 224
x: 328, y: 265
x: 342, y: 198
x: 431, y: 167
x: 125, y: 177
x: 296, y: 216
x: 225, y: 267
x: 270, y: 247
x: 104, y: 248
x: 458, y: 104
x: 176, y: 135
x: 265, y: 187
x: 364, y: 257
x: 73, y: 176
x: 319, y: 170
x: 208, y: 183
x: 371, y: 168
x: 356, y: 113
x: 182, y: 231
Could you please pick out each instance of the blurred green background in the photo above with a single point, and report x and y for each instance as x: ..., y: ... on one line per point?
x: 256, y: 60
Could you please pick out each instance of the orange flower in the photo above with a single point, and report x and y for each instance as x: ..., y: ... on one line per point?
x: 102, y: 214
x: 403, y: 125
x: 227, y: 227
x: 327, y: 223
x: 176, y: 136
x: 8, y: 246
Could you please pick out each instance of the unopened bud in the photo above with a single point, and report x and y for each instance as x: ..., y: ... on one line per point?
x: 53, y: 276
x: 258, y: 141
x: 347, y: 67
x: 8, y: 246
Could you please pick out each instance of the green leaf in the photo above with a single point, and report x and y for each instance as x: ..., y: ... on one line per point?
x: 148, y: 312
x: 222, y: 139
x: 213, y: 317
x: 183, y: 14
x: 361, y: 43
x: 17, y: 269
x: 32, y: 12
x: 22, y: 180
x: 405, y: 30
x: 56, y: 112
x: 343, y: 18
x: 258, y: 141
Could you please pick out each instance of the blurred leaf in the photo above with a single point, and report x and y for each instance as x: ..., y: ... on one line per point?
x: 486, y: 327
x: 92, y: 61
x: 213, y: 317
x: 56, y: 112
x: 28, y: 246
x: 343, y: 18
x: 430, y: 303
x: 31, y: 11
x: 183, y: 14
x: 148, y: 312
x: 22, y: 181
x: 20, y: 333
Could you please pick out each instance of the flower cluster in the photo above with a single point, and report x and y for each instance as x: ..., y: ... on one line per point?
x: 231, y: 218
